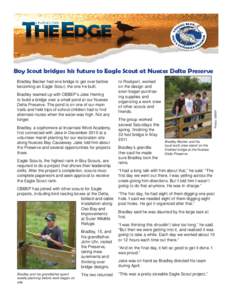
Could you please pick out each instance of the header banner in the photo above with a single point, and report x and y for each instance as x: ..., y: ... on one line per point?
x: 68, y: 35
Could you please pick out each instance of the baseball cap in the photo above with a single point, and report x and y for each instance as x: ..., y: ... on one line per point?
x: 50, y: 217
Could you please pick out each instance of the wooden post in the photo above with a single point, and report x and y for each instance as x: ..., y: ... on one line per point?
x: 72, y: 224
x: 21, y: 235
x: 180, y: 125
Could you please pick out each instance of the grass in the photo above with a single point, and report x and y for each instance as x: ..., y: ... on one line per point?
x: 35, y: 222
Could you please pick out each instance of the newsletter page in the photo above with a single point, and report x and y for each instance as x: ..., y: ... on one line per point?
x: 116, y: 152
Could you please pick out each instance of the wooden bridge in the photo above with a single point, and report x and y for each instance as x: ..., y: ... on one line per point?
x: 177, y: 127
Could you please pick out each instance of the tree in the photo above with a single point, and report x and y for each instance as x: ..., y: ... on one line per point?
x: 176, y: 84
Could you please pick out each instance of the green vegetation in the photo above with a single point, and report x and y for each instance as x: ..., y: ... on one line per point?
x: 35, y: 213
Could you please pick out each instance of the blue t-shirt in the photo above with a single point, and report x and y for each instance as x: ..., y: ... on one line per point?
x: 56, y: 234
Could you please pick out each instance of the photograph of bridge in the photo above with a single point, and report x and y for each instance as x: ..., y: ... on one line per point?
x: 188, y: 102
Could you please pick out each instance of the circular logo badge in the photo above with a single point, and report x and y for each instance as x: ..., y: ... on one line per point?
x: 188, y: 35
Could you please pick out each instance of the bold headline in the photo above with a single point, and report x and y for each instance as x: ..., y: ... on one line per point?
x: 112, y: 71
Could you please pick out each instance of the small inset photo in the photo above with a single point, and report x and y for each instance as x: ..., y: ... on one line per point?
x: 188, y: 102
x: 46, y: 235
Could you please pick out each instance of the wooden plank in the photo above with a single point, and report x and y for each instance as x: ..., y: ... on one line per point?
x: 21, y: 258
x: 175, y: 129
x: 170, y: 128
x: 63, y: 258
x: 170, y: 135
x: 72, y: 224
x: 180, y: 125
x: 198, y: 132
x: 21, y: 221
x: 21, y: 233
x: 188, y: 124
x: 37, y: 237
x: 172, y: 118
x: 182, y: 116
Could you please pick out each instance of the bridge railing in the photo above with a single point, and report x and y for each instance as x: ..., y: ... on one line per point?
x: 180, y: 127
